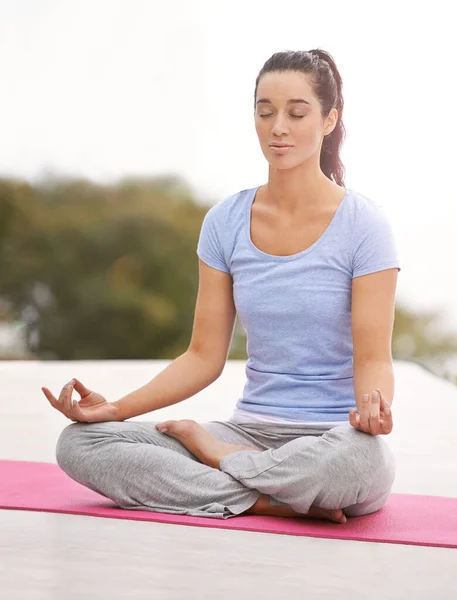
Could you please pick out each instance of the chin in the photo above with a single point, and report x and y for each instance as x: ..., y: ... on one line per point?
x: 283, y: 164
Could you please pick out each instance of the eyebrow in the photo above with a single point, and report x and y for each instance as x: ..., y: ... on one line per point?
x: 292, y: 100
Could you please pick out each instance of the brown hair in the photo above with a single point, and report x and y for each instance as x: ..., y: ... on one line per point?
x: 327, y: 85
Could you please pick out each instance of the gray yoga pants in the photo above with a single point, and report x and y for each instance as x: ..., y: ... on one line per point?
x: 140, y: 468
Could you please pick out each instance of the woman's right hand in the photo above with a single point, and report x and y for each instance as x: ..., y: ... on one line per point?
x: 92, y: 408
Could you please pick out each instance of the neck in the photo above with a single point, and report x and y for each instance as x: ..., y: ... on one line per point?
x: 292, y: 192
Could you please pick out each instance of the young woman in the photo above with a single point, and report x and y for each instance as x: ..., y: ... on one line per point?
x: 311, y: 268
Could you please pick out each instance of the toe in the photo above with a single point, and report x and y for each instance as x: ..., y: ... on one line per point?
x: 340, y: 517
x: 165, y: 426
x: 183, y: 427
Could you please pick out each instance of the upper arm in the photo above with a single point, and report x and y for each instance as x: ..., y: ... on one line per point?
x: 214, y: 318
x: 373, y: 315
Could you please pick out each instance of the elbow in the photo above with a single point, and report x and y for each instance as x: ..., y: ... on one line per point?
x: 215, y: 367
x: 372, y: 358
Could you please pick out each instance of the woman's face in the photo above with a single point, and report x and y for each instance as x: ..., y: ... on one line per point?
x: 291, y: 116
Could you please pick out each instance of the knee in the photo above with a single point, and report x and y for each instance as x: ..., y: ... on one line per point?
x: 78, y: 443
x: 69, y: 446
x: 373, y: 460
x: 370, y: 505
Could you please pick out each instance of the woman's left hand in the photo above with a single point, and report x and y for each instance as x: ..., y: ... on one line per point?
x: 375, y: 415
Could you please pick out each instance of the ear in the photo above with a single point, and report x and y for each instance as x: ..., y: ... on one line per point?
x: 331, y: 121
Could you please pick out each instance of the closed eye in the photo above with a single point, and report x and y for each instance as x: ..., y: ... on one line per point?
x: 293, y: 116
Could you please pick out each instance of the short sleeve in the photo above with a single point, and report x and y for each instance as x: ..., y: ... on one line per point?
x: 374, y: 245
x: 210, y: 243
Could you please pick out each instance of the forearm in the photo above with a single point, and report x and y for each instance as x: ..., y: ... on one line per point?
x: 184, y: 377
x: 371, y: 375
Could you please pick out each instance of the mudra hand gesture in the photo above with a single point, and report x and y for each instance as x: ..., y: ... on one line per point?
x: 92, y: 408
x: 375, y: 415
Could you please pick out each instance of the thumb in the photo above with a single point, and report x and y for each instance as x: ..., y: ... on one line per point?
x: 80, y: 388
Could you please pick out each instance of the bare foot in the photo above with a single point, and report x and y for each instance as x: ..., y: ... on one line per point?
x: 263, y: 507
x: 208, y: 449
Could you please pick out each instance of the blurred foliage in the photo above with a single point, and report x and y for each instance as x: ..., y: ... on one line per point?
x: 100, y: 271
x: 422, y: 337
x: 111, y: 272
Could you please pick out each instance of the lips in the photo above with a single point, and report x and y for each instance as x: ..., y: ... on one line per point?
x: 280, y: 150
x: 280, y: 145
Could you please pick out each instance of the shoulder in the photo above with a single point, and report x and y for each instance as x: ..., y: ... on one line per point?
x: 238, y: 200
x: 366, y: 212
x: 229, y: 207
x: 366, y: 204
x: 358, y: 201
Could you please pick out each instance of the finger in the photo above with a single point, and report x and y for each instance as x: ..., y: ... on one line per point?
x: 365, y: 412
x: 384, y: 405
x: 76, y: 412
x: 387, y: 420
x: 65, y: 392
x: 353, y: 417
x: 374, y: 417
x: 67, y: 403
x: 81, y: 388
x: 52, y: 399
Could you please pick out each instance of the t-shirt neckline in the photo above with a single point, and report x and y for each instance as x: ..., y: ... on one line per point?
x: 276, y: 257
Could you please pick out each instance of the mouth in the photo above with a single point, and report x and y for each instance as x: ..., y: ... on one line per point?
x: 280, y: 149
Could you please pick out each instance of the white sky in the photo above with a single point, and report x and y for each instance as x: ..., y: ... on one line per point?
x: 105, y: 89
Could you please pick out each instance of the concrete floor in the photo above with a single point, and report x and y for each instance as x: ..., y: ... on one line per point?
x: 64, y: 557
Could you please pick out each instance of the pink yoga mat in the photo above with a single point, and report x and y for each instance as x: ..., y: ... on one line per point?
x: 404, y: 519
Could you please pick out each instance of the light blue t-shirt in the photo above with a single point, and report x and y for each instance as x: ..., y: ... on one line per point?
x: 296, y: 310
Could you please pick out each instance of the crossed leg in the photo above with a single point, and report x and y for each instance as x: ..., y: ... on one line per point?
x: 140, y: 468
x: 344, y: 468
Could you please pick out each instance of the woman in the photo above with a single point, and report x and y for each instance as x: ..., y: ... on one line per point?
x: 311, y: 269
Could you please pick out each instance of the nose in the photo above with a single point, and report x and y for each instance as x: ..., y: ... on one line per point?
x: 279, y: 126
